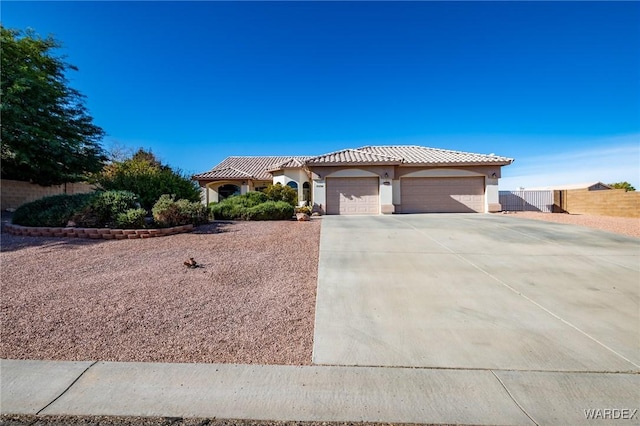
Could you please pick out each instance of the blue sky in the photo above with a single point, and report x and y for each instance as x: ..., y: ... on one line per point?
x: 555, y: 85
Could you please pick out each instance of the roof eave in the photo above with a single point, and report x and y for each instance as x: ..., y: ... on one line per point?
x: 352, y: 163
x: 458, y: 164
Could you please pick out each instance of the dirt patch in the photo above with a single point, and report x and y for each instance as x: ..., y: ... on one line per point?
x: 251, y: 301
x: 629, y: 226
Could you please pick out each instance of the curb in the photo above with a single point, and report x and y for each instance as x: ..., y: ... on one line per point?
x: 94, y: 233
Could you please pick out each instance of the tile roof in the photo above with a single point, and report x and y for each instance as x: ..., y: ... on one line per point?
x: 354, y: 156
x: 291, y: 163
x: 259, y: 168
x: 408, y: 155
x: 250, y: 167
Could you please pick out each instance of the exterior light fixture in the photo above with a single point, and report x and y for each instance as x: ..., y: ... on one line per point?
x: 386, y: 179
x: 493, y: 175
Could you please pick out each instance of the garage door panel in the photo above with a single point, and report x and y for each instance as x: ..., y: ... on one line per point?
x: 442, y: 195
x: 352, y: 196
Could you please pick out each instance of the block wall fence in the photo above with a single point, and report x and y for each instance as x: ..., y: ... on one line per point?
x: 15, y: 193
x: 611, y: 202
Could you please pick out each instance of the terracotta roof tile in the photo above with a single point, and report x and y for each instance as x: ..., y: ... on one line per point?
x: 248, y: 167
x: 354, y: 156
x: 408, y: 155
x: 292, y: 162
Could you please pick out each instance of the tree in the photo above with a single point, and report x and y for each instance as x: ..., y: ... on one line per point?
x: 622, y: 185
x: 285, y: 193
x: 144, y: 175
x: 47, y: 134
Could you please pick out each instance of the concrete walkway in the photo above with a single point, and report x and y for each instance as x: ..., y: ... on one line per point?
x: 383, y: 394
x: 454, y: 319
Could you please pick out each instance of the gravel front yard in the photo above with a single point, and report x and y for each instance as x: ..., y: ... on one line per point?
x: 252, y: 301
x: 629, y: 226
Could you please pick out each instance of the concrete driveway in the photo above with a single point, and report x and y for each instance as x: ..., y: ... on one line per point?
x: 476, y: 292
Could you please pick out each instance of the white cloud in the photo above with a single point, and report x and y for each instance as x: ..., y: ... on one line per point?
x: 607, y: 160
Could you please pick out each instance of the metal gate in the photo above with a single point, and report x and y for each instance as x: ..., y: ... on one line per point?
x: 527, y: 201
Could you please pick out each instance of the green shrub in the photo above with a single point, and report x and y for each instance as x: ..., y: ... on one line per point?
x: 271, y: 210
x: 105, y: 208
x: 251, y: 206
x: 93, y: 210
x: 284, y: 193
x: 251, y: 199
x: 132, y: 218
x: 225, y: 210
x: 233, y: 208
x: 144, y: 175
x: 169, y: 212
x: 54, y: 211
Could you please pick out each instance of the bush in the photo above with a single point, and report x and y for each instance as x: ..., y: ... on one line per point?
x: 251, y: 199
x: 234, y: 207
x: 105, y: 208
x: 169, y: 212
x: 132, y: 218
x: 251, y: 206
x: 284, y: 193
x: 54, y: 211
x: 144, y: 175
x: 271, y: 210
x: 92, y: 210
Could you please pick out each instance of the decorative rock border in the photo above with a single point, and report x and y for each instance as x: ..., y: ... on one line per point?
x: 95, y: 233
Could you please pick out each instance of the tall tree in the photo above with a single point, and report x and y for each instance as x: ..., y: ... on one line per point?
x: 47, y: 134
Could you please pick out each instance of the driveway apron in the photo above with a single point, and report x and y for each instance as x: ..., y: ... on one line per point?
x: 469, y: 291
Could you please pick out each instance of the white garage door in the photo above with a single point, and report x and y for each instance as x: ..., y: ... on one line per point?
x: 442, y: 195
x: 353, y: 196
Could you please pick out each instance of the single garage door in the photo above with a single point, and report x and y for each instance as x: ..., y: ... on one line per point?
x: 442, y: 195
x: 353, y: 196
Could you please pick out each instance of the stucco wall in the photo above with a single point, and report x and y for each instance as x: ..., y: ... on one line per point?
x: 450, y: 171
x: 16, y: 193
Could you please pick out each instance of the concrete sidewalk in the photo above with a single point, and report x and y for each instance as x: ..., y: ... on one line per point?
x: 315, y: 393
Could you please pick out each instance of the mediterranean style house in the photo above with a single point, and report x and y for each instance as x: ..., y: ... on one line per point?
x: 369, y: 180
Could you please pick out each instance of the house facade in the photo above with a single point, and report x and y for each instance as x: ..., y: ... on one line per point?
x: 369, y: 180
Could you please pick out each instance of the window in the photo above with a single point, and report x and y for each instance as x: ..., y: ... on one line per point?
x: 226, y: 191
x: 306, y: 192
x: 293, y: 185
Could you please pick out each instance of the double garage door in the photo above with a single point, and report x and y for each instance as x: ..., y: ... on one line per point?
x: 442, y: 195
x: 418, y: 195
